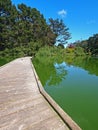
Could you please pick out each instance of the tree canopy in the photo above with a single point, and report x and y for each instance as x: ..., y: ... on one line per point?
x: 60, y: 30
x: 25, y: 29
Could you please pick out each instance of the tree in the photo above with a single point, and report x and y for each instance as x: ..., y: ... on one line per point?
x: 8, y: 19
x: 19, y: 26
x: 93, y: 44
x: 60, y: 30
x: 26, y: 29
x: 33, y: 26
x: 90, y: 45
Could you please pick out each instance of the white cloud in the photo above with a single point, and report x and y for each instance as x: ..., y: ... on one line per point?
x: 62, y: 13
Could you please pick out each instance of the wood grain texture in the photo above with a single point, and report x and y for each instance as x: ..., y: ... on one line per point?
x: 22, y: 106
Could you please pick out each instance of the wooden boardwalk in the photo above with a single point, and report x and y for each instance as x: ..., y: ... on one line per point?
x: 22, y: 106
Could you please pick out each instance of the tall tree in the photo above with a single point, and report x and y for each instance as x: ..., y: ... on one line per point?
x: 7, y: 22
x: 60, y: 30
x: 33, y: 25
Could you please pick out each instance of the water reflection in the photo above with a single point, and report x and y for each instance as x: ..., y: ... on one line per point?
x: 59, y: 75
x: 90, y: 64
x: 73, y: 84
x: 55, y: 72
x: 61, y: 69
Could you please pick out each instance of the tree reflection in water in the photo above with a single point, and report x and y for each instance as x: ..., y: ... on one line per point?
x: 59, y: 75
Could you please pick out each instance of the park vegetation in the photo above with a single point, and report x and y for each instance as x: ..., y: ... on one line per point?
x: 25, y: 32
x: 90, y: 45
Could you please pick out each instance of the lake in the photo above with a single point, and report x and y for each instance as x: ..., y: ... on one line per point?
x: 73, y: 84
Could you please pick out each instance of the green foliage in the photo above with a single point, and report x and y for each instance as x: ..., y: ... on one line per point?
x: 93, y: 44
x: 90, y: 46
x: 79, y: 51
x: 47, y: 54
x: 70, y: 50
x: 19, y: 27
x: 60, y: 30
x: 21, y: 51
x: 4, y: 60
x: 23, y: 30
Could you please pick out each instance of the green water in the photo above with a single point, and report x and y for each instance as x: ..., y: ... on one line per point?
x: 73, y: 84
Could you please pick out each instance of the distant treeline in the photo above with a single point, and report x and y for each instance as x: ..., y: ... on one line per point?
x: 90, y: 45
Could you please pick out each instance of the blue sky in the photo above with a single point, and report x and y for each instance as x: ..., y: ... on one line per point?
x: 80, y: 16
